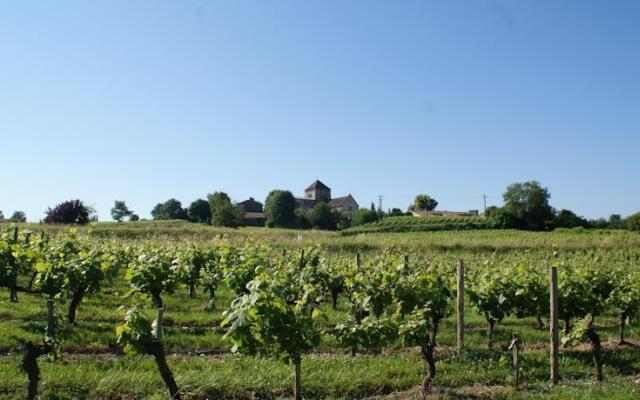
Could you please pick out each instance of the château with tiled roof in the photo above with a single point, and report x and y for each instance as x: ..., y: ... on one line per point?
x: 318, y: 191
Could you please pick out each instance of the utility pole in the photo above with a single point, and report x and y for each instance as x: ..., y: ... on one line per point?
x: 380, y: 203
x: 484, y: 197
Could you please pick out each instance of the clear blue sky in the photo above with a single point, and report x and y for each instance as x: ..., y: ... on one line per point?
x: 146, y: 100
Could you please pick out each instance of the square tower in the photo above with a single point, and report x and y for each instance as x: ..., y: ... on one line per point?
x: 318, y: 191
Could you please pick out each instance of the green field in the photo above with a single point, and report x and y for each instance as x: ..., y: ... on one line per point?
x: 92, y: 366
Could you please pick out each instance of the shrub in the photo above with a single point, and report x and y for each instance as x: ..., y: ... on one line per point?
x: 363, y: 216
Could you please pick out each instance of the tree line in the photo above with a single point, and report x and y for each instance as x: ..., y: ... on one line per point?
x: 526, y: 207
x: 281, y: 211
x: 17, y: 216
x: 217, y: 209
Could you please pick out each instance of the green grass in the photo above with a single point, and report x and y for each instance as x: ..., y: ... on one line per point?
x: 334, y: 376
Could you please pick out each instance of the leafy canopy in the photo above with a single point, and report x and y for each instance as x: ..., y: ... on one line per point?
x: 136, y: 332
x: 69, y: 212
x: 199, y: 211
x: 18, y: 216
x: 528, y: 205
x: 280, y: 208
x: 120, y: 211
x: 224, y: 212
x: 423, y: 202
x: 322, y: 217
x: 170, y: 209
x: 278, y: 315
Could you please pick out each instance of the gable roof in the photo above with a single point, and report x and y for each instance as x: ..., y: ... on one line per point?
x: 317, y: 185
x: 342, y: 202
x: 251, y: 205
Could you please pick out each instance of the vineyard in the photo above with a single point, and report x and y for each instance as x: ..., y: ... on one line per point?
x: 424, y: 224
x: 248, y: 317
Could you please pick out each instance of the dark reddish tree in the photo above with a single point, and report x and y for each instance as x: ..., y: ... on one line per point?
x: 69, y: 212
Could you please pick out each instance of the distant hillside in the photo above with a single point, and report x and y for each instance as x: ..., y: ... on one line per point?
x: 422, y: 224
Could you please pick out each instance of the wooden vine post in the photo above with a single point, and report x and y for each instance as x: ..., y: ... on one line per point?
x: 359, y: 314
x: 13, y: 290
x: 460, y: 305
x: 297, y: 390
x: 515, y: 349
x: 553, y: 324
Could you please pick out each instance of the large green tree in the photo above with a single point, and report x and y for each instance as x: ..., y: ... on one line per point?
x: 19, y: 216
x: 321, y: 217
x: 120, y: 211
x: 615, y: 222
x: 423, y: 202
x: 280, y: 209
x: 528, y: 204
x: 633, y: 222
x: 199, y: 211
x: 170, y: 209
x: 224, y: 212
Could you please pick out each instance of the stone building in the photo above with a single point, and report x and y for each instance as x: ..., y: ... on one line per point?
x: 253, y: 212
x: 318, y: 191
x: 346, y: 203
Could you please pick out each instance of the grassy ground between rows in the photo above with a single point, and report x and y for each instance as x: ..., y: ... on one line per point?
x: 476, y: 374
